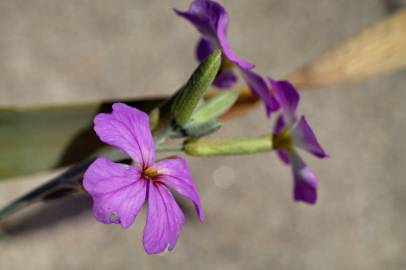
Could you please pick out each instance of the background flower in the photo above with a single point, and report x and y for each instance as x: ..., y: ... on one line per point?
x: 291, y: 133
x: 211, y: 20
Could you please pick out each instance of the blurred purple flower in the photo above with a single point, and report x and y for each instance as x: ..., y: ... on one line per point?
x: 290, y: 133
x: 119, y: 190
x: 211, y: 20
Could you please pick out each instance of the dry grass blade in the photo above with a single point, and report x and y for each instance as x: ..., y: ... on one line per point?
x: 377, y: 50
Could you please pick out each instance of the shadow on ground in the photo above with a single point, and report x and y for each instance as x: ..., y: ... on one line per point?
x: 47, y: 215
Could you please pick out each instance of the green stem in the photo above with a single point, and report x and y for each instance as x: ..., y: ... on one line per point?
x: 231, y: 146
x: 169, y: 147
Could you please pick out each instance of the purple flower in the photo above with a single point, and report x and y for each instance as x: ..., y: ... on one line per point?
x: 211, y: 20
x: 291, y: 133
x: 119, y: 190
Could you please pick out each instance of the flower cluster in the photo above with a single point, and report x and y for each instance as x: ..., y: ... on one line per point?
x: 119, y: 191
x: 211, y: 20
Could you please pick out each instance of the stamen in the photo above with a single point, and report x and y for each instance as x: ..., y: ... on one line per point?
x: 282, y: 140
x: 150, y: 173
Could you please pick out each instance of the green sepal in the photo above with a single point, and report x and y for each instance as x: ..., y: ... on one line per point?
x: 215, y: 106
x: 198, y: 129
x: 190, y: 94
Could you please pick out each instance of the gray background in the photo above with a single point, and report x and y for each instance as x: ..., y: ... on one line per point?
x: 70, y: 51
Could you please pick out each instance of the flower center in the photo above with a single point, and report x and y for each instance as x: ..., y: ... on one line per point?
x: 150, y: 174
x: 283, y: 140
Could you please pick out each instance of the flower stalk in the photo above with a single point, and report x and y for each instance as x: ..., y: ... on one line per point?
x: 230, y: 146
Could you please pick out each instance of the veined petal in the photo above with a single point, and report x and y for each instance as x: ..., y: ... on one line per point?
x: 305, y: 181
x: 128, y: 129
x: 287, y: 97
x: 164, y: 220
x: 259, y: 87
x: 117, y: 190
x: 104, y: 176
x: 304, y: 137
x: 175, y: 173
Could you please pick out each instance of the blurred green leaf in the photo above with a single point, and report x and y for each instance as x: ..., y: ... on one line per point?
x: 67, y: 183
x: 188, y: 98
x: 42, y: 138
x: 64, y: 184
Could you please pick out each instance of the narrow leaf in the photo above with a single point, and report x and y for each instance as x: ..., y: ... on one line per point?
x: 67, y: 183
x: 69, y: 180
x: 215, y: 106
x: 198, y: 129
x: 377, y: 50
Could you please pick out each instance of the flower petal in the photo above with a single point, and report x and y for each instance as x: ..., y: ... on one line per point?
x: 305, y: 181
x: 211, y: 20
x: 283, y: 155
x: 259, y: 87
x: 287, y: 97
x: 117, y: 190
x: 203, y: 49
x: 222, y: 27
x: 225, y: 79
x: 164, y: 220
x: 128, y: 129
x: 279, y: 125
x: 204, y: 15
x: 304, y: 137
x: 175, y: 173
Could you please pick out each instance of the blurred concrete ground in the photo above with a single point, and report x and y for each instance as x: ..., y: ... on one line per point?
x: 69, y: 51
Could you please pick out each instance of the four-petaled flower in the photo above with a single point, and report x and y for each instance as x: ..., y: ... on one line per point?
x: 119, y: 190
x: 290, y: 133
x: 211, y: 20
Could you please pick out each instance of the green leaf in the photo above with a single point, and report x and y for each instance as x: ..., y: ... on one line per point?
x: 215, y: 106
x: 67, y: 183
x: 188, y: 98
x: 43, y: 138
x: 198, y: 129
